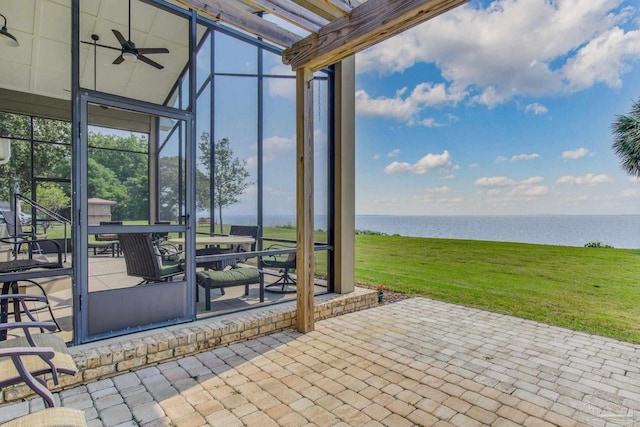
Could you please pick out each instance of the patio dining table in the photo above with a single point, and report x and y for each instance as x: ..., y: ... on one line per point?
x: 212, y: 245
x: 216, y: 240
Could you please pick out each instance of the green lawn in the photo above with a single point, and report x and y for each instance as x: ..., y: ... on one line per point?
x: 594, y: 290
x: 588, y: 289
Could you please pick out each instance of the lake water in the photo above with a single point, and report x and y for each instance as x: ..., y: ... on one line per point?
x: 619, y: 231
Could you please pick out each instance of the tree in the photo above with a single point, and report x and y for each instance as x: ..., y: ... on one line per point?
x: 230, y: 174
x: 46, y: 154
x: 52, y: 197
x: 626, y: 142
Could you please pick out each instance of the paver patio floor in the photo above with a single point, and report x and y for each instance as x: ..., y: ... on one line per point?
x: 414, y: 362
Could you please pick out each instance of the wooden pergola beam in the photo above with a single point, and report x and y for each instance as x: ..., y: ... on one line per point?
x: 291, y: 12
x: 324, y: 8
x: 368, y: 24
x: 227, y: 11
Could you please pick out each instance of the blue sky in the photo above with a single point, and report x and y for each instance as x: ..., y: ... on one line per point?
x: 500, y: 107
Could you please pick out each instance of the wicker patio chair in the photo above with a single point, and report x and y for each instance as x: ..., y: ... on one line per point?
x: 151, y: 262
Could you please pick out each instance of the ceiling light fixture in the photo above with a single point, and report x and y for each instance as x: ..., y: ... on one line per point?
x: 130, y: 56
x: 6, y: 37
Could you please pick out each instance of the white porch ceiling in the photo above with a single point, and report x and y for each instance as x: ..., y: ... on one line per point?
x: 42, y: 63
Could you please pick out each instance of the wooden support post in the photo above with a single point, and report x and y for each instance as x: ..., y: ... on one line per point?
x: 304, y: 203
x: 344, y: 175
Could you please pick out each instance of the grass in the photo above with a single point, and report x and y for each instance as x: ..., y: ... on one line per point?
x: 592, y: 289
x: 587, y: 289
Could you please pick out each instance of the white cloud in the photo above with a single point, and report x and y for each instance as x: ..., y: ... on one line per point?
x: 532, y: 156
x: 505, y: 51
x: 278, y: 144
x: 603, y: 59
x: 284, y: 88
x: 438, y: 190
x: 474, y: 165
x: 405, y: 107
x: 517, y: 157
x: 430, y: 162
x: 632, y: 193
x: 501, y: 189
x: 536, y: 109
x: 503, y: 181
x: 430, y: 123
x: 376, y: 156
x: 436, y: 195
x: 274, y: 147
x: 589, y: 179
x: 575, y: 154
x: 397, y: 108
x: 494, y: 181
x: 393, y: 153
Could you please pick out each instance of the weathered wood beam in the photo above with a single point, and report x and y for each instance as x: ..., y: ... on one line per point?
x: 344, y: 7
x: 227, y: 11
x: 291, y: 12
x: 321, y: 8
x: 304, y: 201
x: 368, y: 24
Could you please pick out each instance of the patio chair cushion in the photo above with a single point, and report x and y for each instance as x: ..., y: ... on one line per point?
x: 168, y: 263
x: 172, y: 266
x: 231, y: 277
x: 51, y: 417
x: 62, y: 360
x: 241, y: 276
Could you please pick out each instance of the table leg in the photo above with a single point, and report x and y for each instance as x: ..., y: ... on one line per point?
x: 4, y: 309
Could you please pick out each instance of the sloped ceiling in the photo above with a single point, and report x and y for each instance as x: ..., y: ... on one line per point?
x: 42, y: 63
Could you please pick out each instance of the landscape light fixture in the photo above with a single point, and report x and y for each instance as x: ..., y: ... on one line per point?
x: 6, y: 38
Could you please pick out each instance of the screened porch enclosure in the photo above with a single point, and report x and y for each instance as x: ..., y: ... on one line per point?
x: 148, y: 145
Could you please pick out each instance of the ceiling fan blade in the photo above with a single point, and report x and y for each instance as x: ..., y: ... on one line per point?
x: 148, y: 50
x: 120, y: 38
x: 150, y: 62
x: 118, y: 60
x: 101, y: 45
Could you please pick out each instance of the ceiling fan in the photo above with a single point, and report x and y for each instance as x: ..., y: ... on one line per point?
x: 129, y: 51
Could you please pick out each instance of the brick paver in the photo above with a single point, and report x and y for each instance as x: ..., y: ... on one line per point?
x: 414, y: 362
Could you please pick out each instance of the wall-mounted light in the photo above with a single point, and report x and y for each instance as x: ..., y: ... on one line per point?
x: 6, y: 38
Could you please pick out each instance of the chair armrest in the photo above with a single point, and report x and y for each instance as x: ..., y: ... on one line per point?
x: 46, y: 354
x: 25, y: 326
x: 12, y: 240
x: 36, y: 243
x: 25, y: 297
x: 168, y: 250
x: 50, y: 326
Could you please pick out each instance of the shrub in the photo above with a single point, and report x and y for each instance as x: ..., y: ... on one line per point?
x: 370, y: 233
x: 596, y: 245
x: 287, y: 226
